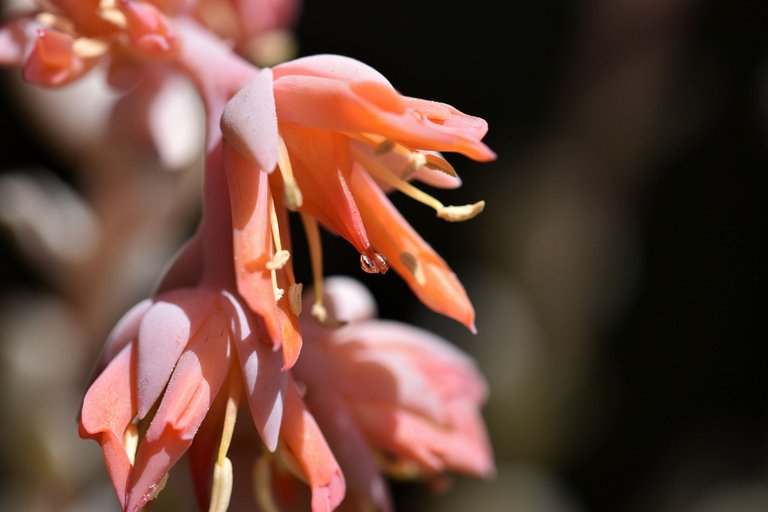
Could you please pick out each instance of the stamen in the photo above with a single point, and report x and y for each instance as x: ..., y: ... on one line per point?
x: 221, y: 490
x: 293, y: 196
x: 262, y: 484
x: 131, y: 441
x: 438, y: 163
x: 316, y: 257
x: 87, y: 48
x: 56, y: 22
x: 113, y: 15
x: 449, y: 213
x: 279, y: 259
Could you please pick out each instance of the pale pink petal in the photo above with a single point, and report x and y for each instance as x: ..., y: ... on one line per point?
x: 249, y: 122
x: 191, y: 390
x: 380, y: 376
x: 346, y: 300
x: 108, y: 408
x: 17, y: 37
x: 125, y: 331
x: 306, y: 443
x: 185, y: 268
x: 264, y: 381
x: 164, y: 333
x: 366, y: 488
x: 335, y: 67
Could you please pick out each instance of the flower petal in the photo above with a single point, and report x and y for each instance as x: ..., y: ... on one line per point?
x: 366, y: 488
x: 165, y: 331
x: 16, y: 40
x: 125, y: 331
x: 191, y: 390
x: 416, y: 262
x: 331, y: 66
x: 249, y: 122
x: 108, y: 408
x: 370, y: 107
x: 262, y: 377
x: 185, y: 268
x: 321, y: 164
x: 249, y: 195
x: 306, y: 443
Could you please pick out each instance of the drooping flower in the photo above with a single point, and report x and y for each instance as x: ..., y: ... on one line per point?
x: 390, y: 397
x: 340, y: 134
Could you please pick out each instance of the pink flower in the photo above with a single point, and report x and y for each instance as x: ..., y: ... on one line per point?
x: 391, y: 397
x: 339, y: 132
x: 167, y: 361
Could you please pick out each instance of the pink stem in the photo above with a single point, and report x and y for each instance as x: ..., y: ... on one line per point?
x: 218, y: 74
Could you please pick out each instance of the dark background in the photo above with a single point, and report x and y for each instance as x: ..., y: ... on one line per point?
x: 679, y: 361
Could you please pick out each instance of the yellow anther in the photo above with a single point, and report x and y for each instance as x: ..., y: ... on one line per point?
x: 379, y: 171
x: 262, y: 484
x: 113, y: 16
x: 56, y: 22
x: 294, y: 297
x: 293, y: 196
x: 279, y: 259
x: 131, y: 441
x: 221, y: 490
x: 460, y: 213
x: 87, y: 48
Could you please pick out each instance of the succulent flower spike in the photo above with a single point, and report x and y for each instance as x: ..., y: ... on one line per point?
x: 338, y: 133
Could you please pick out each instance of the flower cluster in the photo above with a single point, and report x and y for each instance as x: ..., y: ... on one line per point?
x: 338, y: 398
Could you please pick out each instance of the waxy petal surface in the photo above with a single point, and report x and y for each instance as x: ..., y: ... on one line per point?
x: 108, y: 408
x: 416, y: 262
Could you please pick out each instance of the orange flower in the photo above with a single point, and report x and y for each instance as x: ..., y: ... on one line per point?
x: 339, y: 133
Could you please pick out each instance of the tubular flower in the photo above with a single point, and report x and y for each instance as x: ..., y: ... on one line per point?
x: 391, y: 397
x: 340, y: 134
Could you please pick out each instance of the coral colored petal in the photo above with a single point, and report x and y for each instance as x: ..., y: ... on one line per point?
x: 52, y: 61
x: 366, y: 488
x: 165, y: 331
x: 416, y: 262
x: 308, y: 446
x: 108, y: 408
x: 264, y: 382
x: 321, y: 164
x: 191, y: 390
x: 249, y: 194
x: 125, y: 331
x: 335, y: 67
x: 185, y: 268
x: 249, y: 122
x: 202, y: 452
x: 361, y: 107
x: 346, y: 300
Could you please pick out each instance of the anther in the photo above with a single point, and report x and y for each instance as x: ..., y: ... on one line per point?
x: 293, y: 197
x: 131, y: 441
x: 87, y: 48
x: 278, y: 260
x: 460, y: 213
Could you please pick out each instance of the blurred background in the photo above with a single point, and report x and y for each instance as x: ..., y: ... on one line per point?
x: 618, y: 271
